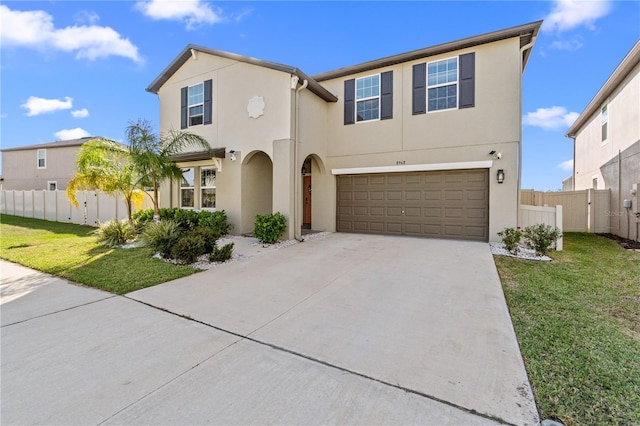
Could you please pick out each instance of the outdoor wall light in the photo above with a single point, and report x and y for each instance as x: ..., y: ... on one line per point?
x: 500, y: 176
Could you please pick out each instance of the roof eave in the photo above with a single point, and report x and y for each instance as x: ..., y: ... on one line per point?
x: 186, y: 53
x: 526, y: 32
x: 622, y: 71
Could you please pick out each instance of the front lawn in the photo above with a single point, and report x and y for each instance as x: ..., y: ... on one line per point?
x: 70, y: 251
x: 577, y: 320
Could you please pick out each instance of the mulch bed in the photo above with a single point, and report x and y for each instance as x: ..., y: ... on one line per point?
x: 625, y: 243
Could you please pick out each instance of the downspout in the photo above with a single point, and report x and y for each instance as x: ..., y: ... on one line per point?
x: 296, y: 182
x: 519, y: 159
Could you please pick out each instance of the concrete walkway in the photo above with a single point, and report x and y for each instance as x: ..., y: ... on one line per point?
x: 342, y: 329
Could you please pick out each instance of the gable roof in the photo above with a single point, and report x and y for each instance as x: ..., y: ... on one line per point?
x: 630, y: 61
x: 526, y: 32
x: 186, y: 53
x: 58, y: 144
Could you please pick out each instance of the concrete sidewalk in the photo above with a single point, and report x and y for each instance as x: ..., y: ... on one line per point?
x: 75, y: 355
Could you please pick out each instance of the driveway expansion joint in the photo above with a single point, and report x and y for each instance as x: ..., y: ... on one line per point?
x: 312, y: 359
x: 61, y: 310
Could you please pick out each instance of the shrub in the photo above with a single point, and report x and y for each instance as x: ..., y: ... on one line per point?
x: 511, y: 239
x: 541, y: 237
x: 269, y: 227
x: 114, y: 233
x: 209, y: 234
x: 188, y: 248
x: 187, y: 219
x: 221, y: 254
x: 161, y: 236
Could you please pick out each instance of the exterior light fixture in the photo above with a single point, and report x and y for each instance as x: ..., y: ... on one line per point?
x: 232, y: 155
x: 500, y: 176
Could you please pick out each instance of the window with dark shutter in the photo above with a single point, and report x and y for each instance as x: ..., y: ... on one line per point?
x: 386, y: 95
x: 184, y: 95
x: 419, y: 89
x: 467, y: 80
x: 349, y: 101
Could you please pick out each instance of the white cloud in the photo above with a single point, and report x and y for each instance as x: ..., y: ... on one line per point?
x: 569, y: 14
x: 566, y: 165
x: 85, y: 16
x: 67, y: 134
x: 35, y: 29
x: 80, y: 113
x: 553, y: 118
x: 569, y: 45
x: 193, y: 12
x: 37, y: 106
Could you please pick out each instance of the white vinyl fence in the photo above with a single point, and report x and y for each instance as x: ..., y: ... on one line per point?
x: 534, y: 215
x: 94, y: 207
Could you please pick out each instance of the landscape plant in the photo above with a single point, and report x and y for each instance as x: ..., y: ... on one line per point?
x: 222, y: 254
x: 269, y: 227
x: 106, y: 165
x: 114, y: 233
x: 541, y: 237
x: 188, y: 247
x: 152, y: 155
x: 186, y: 219
x: 511, y: 239
x: 161, y: 236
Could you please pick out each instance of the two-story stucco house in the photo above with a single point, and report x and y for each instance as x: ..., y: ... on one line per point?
x: 607, y: 143
x: 423, y: 143
x: 47, y: 166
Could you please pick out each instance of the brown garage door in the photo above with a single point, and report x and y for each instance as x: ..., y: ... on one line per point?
x: 445, y: 204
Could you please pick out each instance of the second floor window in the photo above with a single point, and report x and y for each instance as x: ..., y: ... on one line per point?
x: 42, y: 158
x: 442, y: 84
x: 196, y: 104
x: 368, y: 98
x: 605, y: 120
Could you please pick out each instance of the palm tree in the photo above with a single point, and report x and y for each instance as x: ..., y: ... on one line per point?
x: 105, y: 165
x: 152, y: 155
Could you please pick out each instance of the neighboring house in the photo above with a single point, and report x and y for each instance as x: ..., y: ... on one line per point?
x: 424, y: 143
x: 47, y: 166
x: 606, y: 143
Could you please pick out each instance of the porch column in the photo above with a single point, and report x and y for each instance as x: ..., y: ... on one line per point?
x: 284, y: 173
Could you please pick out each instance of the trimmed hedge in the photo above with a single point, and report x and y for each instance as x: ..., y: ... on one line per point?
x: 187, y: 219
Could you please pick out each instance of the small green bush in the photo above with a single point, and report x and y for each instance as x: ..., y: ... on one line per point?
x: 161, y: 236
x: 269, y: 227
x: 188, y: 248
x: 511, y: 239
x: 187, y: 219
x: 221, y: 254
x: 114, y: 233
x: 209, y: 234
x: 541, y: 237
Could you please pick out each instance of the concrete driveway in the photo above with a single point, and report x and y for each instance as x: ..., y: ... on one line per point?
x: 342, y: 329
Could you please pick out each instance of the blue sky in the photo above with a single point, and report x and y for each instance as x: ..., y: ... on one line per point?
x: 77, y: 68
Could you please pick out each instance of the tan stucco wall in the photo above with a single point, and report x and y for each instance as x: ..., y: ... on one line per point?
x: 20, y: 168
x: 623, y: 131
x: 458, y: 135
x: 257, y: 185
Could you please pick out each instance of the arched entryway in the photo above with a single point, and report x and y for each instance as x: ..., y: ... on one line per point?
x: 257, y: 188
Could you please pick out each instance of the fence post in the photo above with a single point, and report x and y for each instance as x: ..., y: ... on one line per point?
x: 559, y: 242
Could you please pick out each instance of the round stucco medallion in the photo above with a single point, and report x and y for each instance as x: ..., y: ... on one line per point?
x: 255, y: 107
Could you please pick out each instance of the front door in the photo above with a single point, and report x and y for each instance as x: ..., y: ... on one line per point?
x: 306, y: 210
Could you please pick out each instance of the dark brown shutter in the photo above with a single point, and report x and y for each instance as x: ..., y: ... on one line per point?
x: 184, y: 95
x: 386, y: 95
x: 419, y: 89
x: 349, y: 101
x: 207, y: 101
x: 467, y: 80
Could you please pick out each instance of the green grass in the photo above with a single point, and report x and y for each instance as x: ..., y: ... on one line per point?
x: 577, y: 320
x: 70, y: 251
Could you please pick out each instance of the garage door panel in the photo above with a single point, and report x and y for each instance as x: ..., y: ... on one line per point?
x: 446, y: 204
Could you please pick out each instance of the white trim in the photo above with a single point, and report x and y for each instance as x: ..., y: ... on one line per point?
x: 415, y: 168
x: 378, y: 97
x: 44, y: 150
x: 435, y: 86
